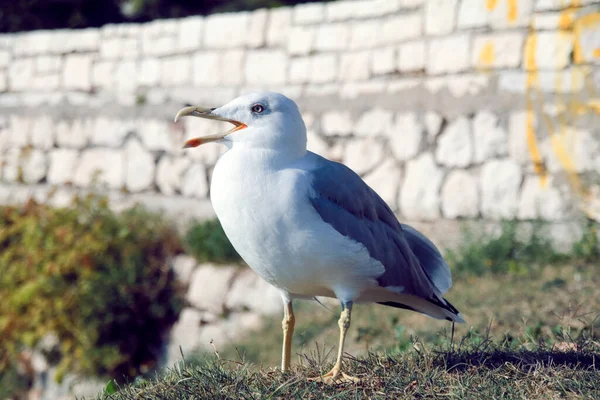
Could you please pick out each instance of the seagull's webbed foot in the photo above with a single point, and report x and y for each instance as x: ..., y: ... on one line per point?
x: 336, y: 375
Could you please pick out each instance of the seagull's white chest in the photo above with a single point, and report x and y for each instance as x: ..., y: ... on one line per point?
x: 267, y: 215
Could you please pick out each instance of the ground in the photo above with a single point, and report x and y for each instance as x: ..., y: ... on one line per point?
x: 531, y: 335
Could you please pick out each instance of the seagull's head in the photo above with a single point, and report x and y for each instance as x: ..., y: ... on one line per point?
x: 260, y: 120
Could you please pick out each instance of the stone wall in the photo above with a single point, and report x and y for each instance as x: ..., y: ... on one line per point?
x: 450, y: 109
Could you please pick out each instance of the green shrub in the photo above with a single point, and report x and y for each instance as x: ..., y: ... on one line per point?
x: 97, y: 280
x: 479, y: 254
x: 207, y: 241
x: 587, y: 249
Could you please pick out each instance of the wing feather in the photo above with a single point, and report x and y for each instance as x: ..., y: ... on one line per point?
x: 347, y: 203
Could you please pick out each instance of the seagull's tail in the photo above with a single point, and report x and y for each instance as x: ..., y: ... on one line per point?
x: 435, y: 308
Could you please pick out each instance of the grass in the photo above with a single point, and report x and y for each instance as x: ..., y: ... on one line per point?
x: 536, y: 337
x: 533, y: 331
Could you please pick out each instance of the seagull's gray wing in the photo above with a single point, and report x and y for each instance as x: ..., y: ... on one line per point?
x: 347, y: 203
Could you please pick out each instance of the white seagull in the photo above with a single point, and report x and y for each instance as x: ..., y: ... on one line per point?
x: 312, y: 227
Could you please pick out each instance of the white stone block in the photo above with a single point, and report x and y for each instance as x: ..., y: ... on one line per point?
x: 323, y: 68
x: 183, y: 266
x: 340, y: 10
x: 448, y: 55
x: 210, y: 297
x: 300, y: 69
x: 419, y: 197
x: 46, y: 82
x: 18, y: 132
x: 301, y: 40
x: 550, y: 50
x: 159, y: 45
x: 500, y: 182
x: 406, y: 135
x: 85, y: 40
x: 101, y: 166
x: 411, y: 56
x: 383, y: 61
x: 126, y: 76
x: 337, y: 123
x: 331, y: 37
x: 195, y: 182
x: 490, y: 139
x: 473, y: 14
x: 48, y: 64
x: 176, y: 71
x: 400, y: 28
x: 251, y: 292
x: 257, y: 28
x: 266, y: 67
x: 232, y: 67
x: 587, y: 33
x: 139, y: 167
x: 572, y: 149
x: 77, y: 73
x: 440, y: 16
x: 375, y: 8
x: 363, y: 154
x: 169, y: 174
x: 110, y: 48
x: 510, y: 14
x: 103, y: 74
x: 189, y: 36
x: 226, y: 30
x: 62, y: 166
x: 34, y: 164
x: 365, y: 34
x: 278, y: 26
x: 385, y: 180
x: 309, y: 13
x: 207, y: 68
x: 42, y: 132
x: 110, y: 132
x: 32, y: 43
x: 149, y: 72
x: 541, y: 200
x: 3, y: 81
x: 433, y: 124
x: 455, y: 145
x: 155, y: 135
x: 5, y: 58
x: 74, y: 134
x: 499, y: 50
x: 460, y: 195
x: 21, y: 73
x: 374, y: 122
x: 520, y: 125
x: 355, y: 66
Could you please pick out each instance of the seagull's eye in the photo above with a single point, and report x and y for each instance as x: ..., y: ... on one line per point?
x: 258, y: 108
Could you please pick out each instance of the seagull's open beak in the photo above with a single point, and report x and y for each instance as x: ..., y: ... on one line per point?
x: 207, y: 113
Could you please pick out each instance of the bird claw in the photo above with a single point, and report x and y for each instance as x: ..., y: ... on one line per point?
x: 335, y: 376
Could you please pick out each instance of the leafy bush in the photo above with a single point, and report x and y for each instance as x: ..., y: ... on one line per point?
x: 207, y: 242
x: 479, y: 254
x: 587, y: 249
x: 97, y: 280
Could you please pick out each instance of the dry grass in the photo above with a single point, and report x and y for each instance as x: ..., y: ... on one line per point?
x: 534, y: 336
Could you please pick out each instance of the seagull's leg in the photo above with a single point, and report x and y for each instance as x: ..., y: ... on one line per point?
x: 288, y: 331
x: 336, y: 373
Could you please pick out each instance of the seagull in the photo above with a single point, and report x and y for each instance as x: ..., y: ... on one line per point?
x: 312, y: 227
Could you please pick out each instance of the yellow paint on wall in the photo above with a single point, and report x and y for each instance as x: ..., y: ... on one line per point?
x: 491, y: 4
x: 529, y: 50
x: 566, y: 19
x: 512, y: 10
x: 487, y: 56
x: 596, y: 53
